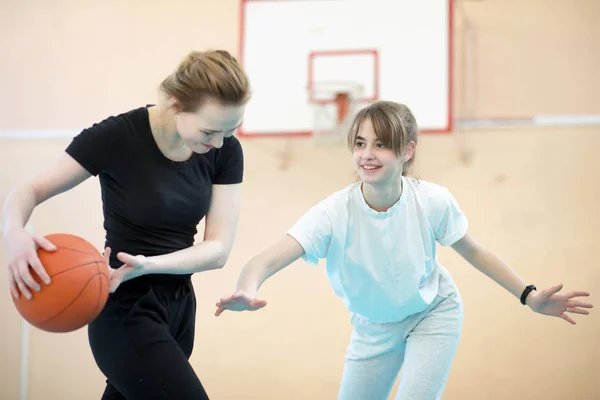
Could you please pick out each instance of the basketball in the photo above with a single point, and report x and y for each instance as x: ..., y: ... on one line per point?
x: 78, y: 289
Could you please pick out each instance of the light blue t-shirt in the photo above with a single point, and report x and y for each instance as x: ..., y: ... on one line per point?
x: 383, y: 265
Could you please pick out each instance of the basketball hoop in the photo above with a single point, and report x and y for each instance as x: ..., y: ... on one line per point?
x: 333, y: 104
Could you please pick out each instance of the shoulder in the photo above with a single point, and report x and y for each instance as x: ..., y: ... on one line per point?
x: 424, y: 188
x: 324, y: 215
x: 106, y: 143
x: 446, y: 218
x: 134, y: 118
x: 338, y: 201
x: 430, y: 195
x: 231, y: 148
x: 228, y: 162
x: 117, y: 125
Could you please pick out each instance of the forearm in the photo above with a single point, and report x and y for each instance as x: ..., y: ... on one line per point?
x: 268, y: 263
x: 254, y: 274
x: 495, y: 268
x: 17, y: 210
x: 204, y: 256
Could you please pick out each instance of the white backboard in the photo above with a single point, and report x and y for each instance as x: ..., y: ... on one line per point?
x: 396, y: 50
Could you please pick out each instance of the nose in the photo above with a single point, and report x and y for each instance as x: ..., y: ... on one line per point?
x: 367, y: 152
x: 216, y: 141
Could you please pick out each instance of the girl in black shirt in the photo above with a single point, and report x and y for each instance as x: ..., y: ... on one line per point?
x: 162, y: 169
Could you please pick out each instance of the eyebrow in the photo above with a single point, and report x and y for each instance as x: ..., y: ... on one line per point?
x: 212, y: 131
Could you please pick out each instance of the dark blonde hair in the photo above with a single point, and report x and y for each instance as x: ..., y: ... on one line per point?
x: 200, y: 76
x: 394, y: 125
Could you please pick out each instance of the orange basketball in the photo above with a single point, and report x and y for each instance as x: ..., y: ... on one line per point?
x: 78, y: 287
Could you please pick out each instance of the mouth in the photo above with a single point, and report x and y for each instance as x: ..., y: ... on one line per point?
x: 207, y: 146
x: 370, y: 168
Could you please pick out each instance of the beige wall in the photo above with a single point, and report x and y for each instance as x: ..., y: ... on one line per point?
x: 534, y: 201
x: 68, y: 64
x: 527, y: 57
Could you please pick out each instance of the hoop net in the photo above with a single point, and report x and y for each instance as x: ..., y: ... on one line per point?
x: 333, y: 105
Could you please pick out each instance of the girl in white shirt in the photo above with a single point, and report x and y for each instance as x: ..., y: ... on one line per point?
x: 379, y: 238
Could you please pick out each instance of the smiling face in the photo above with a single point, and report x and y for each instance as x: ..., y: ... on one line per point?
x: 383, y: 139
x: 375, y: 163
x: 206, y: 128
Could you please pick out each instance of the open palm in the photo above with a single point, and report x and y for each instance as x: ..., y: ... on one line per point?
x: 550, y: 302
x: 239, y: 301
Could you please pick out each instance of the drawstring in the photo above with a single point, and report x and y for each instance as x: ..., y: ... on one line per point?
x: 183, y: 288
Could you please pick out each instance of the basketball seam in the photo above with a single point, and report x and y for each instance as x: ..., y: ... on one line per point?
x: 70, y: 303
x: 76, y: 266
x: 76, y: 250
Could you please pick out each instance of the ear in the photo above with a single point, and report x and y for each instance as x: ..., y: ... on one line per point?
x: 409, y: 151
x: 175, y: 105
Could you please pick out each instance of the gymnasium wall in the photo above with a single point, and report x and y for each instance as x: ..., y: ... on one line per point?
x: 530, y: 194
x: 520, y: 58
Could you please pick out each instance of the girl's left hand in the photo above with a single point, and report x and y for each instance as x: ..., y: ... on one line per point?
x: 549, y: 302
x: 133, y: 266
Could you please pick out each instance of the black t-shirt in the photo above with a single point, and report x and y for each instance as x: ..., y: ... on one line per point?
x: 151, y: 205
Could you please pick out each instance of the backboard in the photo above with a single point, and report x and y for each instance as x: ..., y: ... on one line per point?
x: 396, y: 50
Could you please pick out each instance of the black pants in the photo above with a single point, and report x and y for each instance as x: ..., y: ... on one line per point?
x: 143, y: 339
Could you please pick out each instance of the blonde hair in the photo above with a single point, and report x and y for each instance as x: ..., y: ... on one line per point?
x: 200, y: 76
x: 394, y: 124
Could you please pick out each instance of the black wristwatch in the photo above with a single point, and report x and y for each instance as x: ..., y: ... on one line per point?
x: 526, y: 292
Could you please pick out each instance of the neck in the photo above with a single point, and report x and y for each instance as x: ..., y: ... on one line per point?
x: 382, y: 198
x: 164, y: 130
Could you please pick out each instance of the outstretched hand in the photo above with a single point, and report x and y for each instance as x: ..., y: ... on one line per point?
x: 132, y: 268
x: 239, y: 301
x: 550, y: 302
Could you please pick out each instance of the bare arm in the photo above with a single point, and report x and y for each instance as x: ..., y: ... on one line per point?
x: 546, y: 302
x: 62, y: 176
x: 213, y: 252
x: 257, y: 271
x: 21, y: 248
x: 263, y: 266
x: 490, y: 264
x: 312, y: 232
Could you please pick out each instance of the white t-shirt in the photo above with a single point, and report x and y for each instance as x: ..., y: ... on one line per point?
x: 383, y: 265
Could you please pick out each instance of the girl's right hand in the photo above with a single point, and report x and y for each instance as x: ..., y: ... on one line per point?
x: 239, y: 301
x: 21, y: 256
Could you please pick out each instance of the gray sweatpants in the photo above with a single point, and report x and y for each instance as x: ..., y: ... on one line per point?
x: 423, y: 345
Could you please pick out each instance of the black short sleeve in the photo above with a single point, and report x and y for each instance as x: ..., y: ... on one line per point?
x: 229, y: 163
x: 97, y: 147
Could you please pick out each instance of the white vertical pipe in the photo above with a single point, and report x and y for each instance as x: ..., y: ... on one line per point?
x: 24, y: 368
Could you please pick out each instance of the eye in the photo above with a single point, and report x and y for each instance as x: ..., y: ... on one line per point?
x: 381, y: 145
x: 226, y: 134
x: 358, y: 144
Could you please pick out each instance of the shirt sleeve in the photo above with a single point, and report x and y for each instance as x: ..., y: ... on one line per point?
x: 313, y: 231
x: 229, y: 163
x: 96, y: 148
x: 449, y: 222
